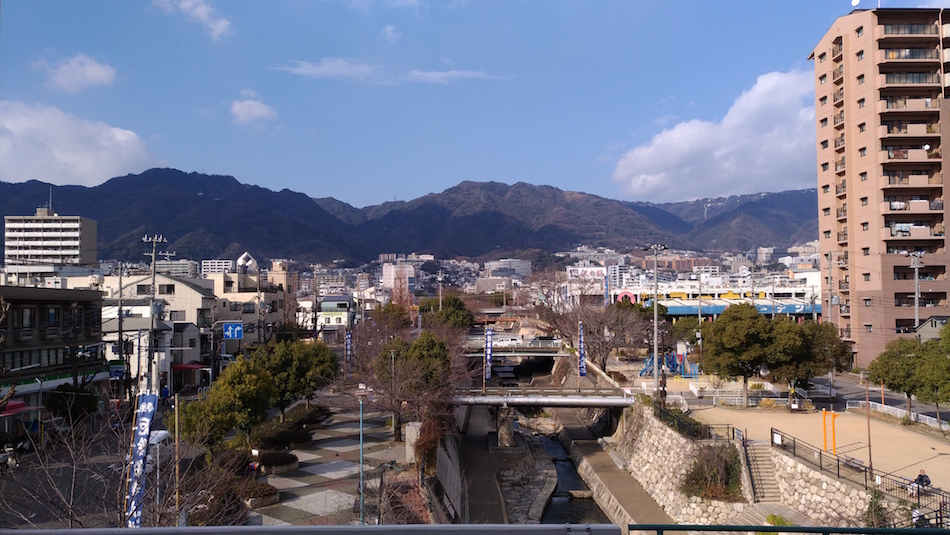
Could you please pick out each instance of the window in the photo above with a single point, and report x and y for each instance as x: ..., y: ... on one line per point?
x: 863, y: 151
x: 860, y: 55
x: 867, y: 276
x: 859, y: 32
x: 192, y: 342
x: 52, y: 317
x: 824, y: 122
x: 860, y: 79
x: 861, y: 103
x: 826, y: 188
x: 823, y: 101
x: 868, y: 329
x: 866, y: 251
x: 166, y: 289
x: 862, y: 127
x: 867, y: 301
x: 142, y: 289
x: 822, y: 79
x: 176, y: 315
x: 826, y: 211
x: 248, y: 308
x: 822, y: 57
x: 236, y: 307
x: 863, y: 176
x: 824, y: 144
x: 864, y: 201
x: 827, y: 234
x: 865, y: 226
x: 28, y: 317
x: 824, y: 166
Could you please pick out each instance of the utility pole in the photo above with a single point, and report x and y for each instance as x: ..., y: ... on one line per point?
x: 656, y: 296
x: 830, y: 284
x: 153, y: 311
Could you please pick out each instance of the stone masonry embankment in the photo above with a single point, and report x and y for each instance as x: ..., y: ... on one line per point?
x: 658, y: 458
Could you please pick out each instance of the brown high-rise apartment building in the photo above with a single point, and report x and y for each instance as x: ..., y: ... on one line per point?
x: 879, y: 113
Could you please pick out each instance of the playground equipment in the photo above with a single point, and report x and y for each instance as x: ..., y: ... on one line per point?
x: 676, y: 364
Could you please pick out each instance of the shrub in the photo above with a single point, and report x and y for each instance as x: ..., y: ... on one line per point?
x: 715, y: 474
x: 778, y: 520
x: 876, y: 514
x: 276, y: 458
x: 301, y: 415
x: 278, y: 436
x: 906, y: 421
x: 767, y: 403
x: 756, y: 386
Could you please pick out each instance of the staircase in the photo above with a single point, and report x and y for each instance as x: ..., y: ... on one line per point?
x: 762, y: 472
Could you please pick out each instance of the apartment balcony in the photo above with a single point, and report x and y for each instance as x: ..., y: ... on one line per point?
x: 842, y: 237
x: 844, y: 285
x: 908, y: 155
x: 842, y: 213
x: 836, y: 51
x: 908, y: 56
x: 907, y: 32
x: 839, y: 143
x: 913, y: 206
x: 908, y: 79
x: 900, y: 104
x: 839, y: 119
x: 840, y: 165
x: 913, y: 181
x: 838, y: 97
x: 910, y: 130
x: 845, y: 333
x: 841, y: 188
x: 901, y: 231
x: 838, y: 73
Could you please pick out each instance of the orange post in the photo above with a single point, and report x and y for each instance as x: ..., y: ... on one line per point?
x: 834, y: 438
x: 824, y: 430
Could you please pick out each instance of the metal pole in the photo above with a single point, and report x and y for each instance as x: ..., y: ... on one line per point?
x: 656, y: 297
x: 361, y: 460
x: 867, y: 403
x: 915, y: 263
x: 177, y: 466
x: 392, y: 365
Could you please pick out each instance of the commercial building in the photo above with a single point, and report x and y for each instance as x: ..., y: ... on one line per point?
x: 879, y: 112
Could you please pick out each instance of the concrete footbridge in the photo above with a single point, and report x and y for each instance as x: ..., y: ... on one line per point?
x: 545, y: 397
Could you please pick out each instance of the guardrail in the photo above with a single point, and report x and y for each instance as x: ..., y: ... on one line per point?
x: 932, y: 502
x: 901, y: 413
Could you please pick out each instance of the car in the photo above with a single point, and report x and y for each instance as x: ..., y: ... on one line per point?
x: 161, y: 445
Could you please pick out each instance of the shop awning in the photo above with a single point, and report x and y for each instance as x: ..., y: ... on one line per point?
x: 190, y: 367
x: 16, y: 407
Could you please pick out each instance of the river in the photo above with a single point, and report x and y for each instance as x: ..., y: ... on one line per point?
x: 562, y: 509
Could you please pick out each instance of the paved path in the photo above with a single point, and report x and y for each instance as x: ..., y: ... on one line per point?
x: 632, y: 497
x: 479, y: 467
x: 895, y: 449
x: 325, y: 488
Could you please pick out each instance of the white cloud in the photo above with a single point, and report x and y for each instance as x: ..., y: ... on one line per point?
x: 198, y: 11
x: 444, y: 77
x: 336, y: 68
x: 390, y: 34
x: 250, y: 111
x: 45, y: 143
x: 766, y: 142
x: 76, y: 73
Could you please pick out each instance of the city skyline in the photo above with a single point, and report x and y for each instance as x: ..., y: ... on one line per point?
x: 369, y: 102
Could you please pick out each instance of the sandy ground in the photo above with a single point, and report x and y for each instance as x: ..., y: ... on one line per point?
x: 895, y: 449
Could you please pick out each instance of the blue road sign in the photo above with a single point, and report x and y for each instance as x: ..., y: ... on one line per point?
x: 233, y: 331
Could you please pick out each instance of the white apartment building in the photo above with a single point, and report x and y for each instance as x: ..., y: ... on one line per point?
x: 46, y: 239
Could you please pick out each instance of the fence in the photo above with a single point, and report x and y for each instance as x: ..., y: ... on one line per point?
x: 901, y: 413
x: 693, y: 429
x: 934, y: 503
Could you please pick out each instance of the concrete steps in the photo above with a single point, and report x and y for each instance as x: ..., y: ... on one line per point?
x: 762, y: 472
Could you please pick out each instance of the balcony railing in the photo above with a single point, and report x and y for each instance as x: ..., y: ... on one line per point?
x: 838, y: 96
x: 845, y: 333
x: 839, y: 165
x: 839, y: 141
x: 844, y: 285
x: 910, y: 29
x: 840, y: 188
x: 838, y: 73
x: 842, y: 236
x: 842, y: 213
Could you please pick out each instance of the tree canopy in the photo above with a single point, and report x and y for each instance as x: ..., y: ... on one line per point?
x: 737, y: 344
x: 897, y: 367
x: 297, y: 369
x: 454, y: 312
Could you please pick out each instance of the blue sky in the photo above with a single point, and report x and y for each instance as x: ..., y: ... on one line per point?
x: 370, y: 101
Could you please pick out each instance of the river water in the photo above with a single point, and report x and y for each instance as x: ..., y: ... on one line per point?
x: 562, y: 509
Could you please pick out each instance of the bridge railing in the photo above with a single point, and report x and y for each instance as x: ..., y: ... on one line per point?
x: 897, y: 412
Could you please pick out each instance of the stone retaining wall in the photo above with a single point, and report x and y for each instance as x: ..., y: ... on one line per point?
x: 658, y: 458
x: 605, y: 499
x: 829, y: 501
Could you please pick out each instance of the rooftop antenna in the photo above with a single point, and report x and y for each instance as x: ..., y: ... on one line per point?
x: 51, y: 198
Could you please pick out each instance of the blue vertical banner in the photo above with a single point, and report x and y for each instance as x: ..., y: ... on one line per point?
x: 348, y: 353
x: 606, y: 291
x: 581, y: 364
x: 143, y: 426
x: 488, y: 347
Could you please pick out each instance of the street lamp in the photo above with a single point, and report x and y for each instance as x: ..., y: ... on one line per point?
x: 656, y: 247
x: 360, y: 394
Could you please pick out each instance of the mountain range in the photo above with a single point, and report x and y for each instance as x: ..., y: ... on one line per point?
x: 213, y: 216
